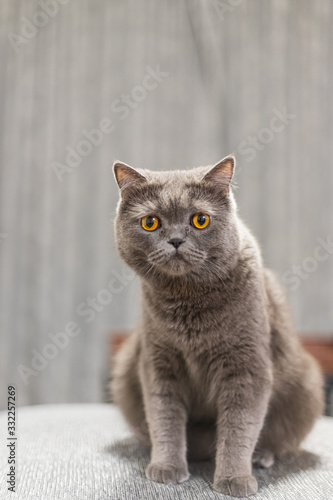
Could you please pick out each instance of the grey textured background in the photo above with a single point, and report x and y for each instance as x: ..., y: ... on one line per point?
x: 230, y: 65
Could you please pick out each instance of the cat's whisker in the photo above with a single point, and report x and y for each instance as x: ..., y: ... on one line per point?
x: 157, y: 252
x: 159, y: 259
x: 197, y: 253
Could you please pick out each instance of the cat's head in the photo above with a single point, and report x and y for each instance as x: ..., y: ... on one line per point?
x: 179, y: 222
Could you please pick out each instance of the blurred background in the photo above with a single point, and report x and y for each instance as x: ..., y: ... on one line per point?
x: 160, y: 85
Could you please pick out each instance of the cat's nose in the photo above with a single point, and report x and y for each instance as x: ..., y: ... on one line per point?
x: 176, y: 242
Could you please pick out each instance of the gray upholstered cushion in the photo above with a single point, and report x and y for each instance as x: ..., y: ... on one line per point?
x: 87, y: 452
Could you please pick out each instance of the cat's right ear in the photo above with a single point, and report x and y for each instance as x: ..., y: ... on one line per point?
x: 127, y: 178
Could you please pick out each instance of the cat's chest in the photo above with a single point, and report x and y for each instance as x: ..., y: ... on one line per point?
x: 190, y: 318
x: 197, y: 376
x: 199, y: 385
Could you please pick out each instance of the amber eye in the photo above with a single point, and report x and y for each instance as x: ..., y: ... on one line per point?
x: 200, y: 221
x: 150, y: 222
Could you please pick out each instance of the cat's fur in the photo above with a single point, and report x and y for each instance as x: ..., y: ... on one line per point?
x: 215, y: 367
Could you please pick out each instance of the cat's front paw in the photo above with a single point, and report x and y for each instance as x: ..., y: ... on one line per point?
x: 241, y: 486
x: 167, y: 473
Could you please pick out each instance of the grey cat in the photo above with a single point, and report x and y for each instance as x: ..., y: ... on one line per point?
x: 215, y: 367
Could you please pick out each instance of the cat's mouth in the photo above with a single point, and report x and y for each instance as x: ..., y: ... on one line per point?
x: 176, y: 256
x: 177, y: 262
x: 172, y: 263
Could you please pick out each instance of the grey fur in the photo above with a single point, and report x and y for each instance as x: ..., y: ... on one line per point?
x: 215, y: 367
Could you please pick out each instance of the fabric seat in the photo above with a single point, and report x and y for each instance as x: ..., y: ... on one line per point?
x: 87, y: 452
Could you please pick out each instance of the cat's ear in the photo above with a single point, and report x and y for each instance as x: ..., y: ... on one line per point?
x: 221, y: 174
x: 127, y: 178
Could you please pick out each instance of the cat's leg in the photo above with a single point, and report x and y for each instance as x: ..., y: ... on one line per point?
x: 201, y: 440
x: 294, y: 407
x: 167, y: 417
x: 297, y: 398
x: 126, y: 389
x: 242, y: 405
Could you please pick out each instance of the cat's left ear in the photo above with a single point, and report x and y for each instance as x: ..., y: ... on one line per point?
x: 127, y: 178
x: 222, y: 173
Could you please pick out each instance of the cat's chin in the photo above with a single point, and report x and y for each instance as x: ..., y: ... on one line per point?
x: 176, y: 266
